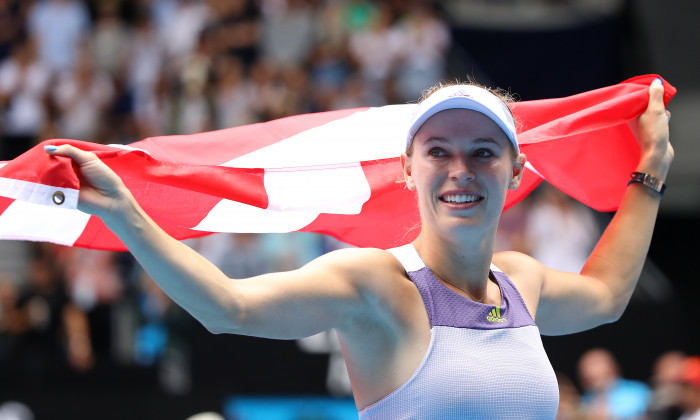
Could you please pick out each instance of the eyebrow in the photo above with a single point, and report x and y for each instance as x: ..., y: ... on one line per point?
x: 487, y: 140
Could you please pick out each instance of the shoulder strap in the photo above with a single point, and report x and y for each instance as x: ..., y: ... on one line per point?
x: 408, y: 257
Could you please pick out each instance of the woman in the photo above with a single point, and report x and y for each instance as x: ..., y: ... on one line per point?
x: 442, y: 327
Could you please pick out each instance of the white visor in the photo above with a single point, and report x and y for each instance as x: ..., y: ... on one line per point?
x: 465, y: 97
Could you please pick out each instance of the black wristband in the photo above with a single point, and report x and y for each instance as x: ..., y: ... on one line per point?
x: 648, y: 180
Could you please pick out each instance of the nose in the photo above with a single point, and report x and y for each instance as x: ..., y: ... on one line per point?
x: 461, y: 171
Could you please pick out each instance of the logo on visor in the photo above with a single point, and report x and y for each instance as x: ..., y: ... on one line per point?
x: 461, y: 92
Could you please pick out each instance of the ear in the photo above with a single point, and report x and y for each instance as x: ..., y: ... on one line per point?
x: 406, y: 166
x: 518, y: 168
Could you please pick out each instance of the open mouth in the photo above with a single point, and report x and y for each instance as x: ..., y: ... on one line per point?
x: 460, y: 198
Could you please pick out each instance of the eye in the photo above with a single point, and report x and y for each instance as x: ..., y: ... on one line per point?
x: 437, y: 152
x: 483, y: 153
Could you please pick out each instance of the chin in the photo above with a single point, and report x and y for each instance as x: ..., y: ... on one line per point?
x: 464, y: 223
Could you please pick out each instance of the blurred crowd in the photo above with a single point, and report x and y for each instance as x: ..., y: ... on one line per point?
x: 672, y: 392
x: 117, y: 71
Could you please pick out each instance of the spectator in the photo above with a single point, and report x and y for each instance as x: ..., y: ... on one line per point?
x: 235, y: 100
x: 11, y: 25
x: 376, y: 50
x: 161, y: 13
x: 512, y: 228
x: 51, y: 330
x: 110, y: 38
x: 161, y: 338
x: 238, y: 254
x: 358, y: 15
x: 194, y: 110
x: 296, y: 82
x: 328, y: 72
x: 560, y: 231
x: 10, y: 324
x: 569, y: 399
x: 271, y: 91
x: 82, y: 98
x: 426, y: 41
x: 606, y: 394
x: 24, y: 85
x: 155, y: 109
x: 666, y: 394
x: 92, y: 277
x: 59, y: 26
x: 351, y: 96
x: 147, y: 82
x: 690, y: 396
x: 182, y: 31
x: 337, y: 378
x: 235, y: 29
x: 287, y: 32
x: 331, y: 24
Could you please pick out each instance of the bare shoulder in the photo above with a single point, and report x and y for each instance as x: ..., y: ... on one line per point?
x: 517, y: 264
x: 365, y: 268
x: 354, y: 257
x: 381, y: 280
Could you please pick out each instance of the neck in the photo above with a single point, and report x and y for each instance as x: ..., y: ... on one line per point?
x: 462, y: 260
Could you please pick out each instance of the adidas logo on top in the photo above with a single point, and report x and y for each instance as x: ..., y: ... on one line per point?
x: 495, y: 315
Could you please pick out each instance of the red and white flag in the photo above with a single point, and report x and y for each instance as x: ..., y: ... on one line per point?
x: 336, y: 173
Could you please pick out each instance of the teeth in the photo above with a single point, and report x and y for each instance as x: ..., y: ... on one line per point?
x: 459, y: 198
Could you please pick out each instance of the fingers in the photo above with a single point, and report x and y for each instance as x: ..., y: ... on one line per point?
x: 656, y: 95
x: 79, y: 156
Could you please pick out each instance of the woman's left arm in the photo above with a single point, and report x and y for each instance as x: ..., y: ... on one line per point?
x: 599, y: 294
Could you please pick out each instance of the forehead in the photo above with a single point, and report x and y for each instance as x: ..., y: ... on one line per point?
x: 455, y: 124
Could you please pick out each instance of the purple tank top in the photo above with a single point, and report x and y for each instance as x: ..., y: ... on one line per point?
x: 483, y: 361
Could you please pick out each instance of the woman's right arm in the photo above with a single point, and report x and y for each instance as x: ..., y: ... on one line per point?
x: 326, y: 293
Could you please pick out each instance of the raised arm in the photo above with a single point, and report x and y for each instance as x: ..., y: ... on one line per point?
x: 322, y: 295
x: 600, y: 293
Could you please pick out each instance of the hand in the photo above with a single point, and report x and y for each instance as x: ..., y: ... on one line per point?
x: 102, y: 192
x: 651, y: 131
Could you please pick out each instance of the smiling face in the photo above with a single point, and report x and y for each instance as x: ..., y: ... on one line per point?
x: 461, y: 166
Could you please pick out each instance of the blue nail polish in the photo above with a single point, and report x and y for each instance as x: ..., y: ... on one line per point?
x: 658, y: 81
x: 50, y: 148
